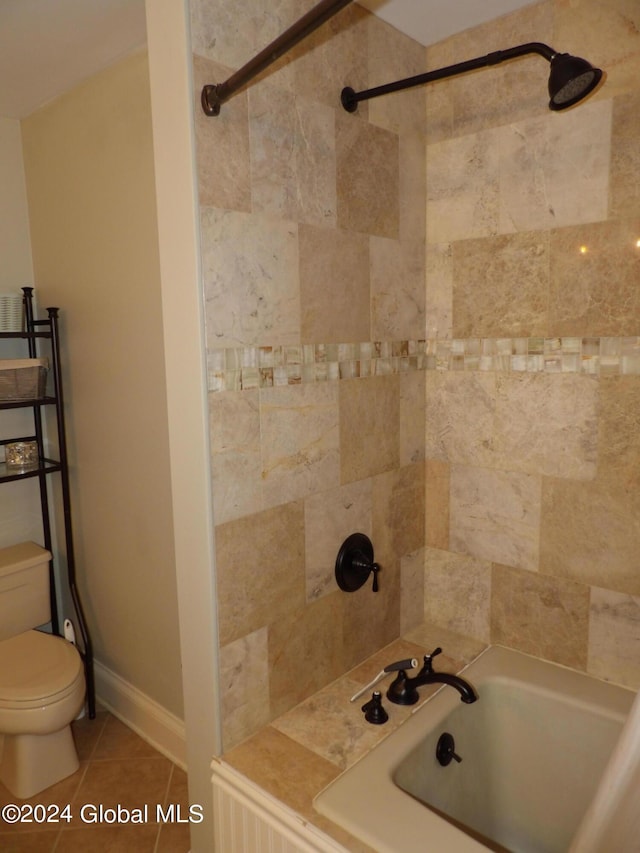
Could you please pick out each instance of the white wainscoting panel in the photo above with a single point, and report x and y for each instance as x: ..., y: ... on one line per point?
x: 249, y: 820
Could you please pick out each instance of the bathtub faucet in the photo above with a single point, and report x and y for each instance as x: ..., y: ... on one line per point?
x: 403, y: 690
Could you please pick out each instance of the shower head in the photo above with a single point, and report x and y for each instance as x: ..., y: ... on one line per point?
x: 570, y: 80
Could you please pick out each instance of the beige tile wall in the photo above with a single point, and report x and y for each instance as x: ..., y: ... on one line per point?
x: 313, y: 233
x: 512, y: 516
x: 533, y: 230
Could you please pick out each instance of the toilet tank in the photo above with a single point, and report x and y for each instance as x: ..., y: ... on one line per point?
x: 24, y: 588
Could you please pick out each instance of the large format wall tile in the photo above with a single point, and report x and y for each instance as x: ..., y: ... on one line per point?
x: 412, y: 188
x: 313, y: 231
x: 244, y: 686
x: 293, y: 158
x: 619, y: 431
x: 367, y: 161
x: 457, y: 593
x: 436, y: 500
x: 222, y: 144
x: 595, y: 271
x: 607, y: 33
x: 544, y: 616
x: 236, y: 460
x: 250, y: 271
x: 233, y: 33
x: 260, y: 562
x: 590, y: 532
x: 460, y: 417
x: 332, y: 56
x: 503, y: 94
x: 439, y: 100
x: 397, y: 289
x: 393, y: 56
x: 312, y: 273
x: 501, y: 285
x: 463, y: 188
x: 369, y: 423
x: 554, y: 170
x: 299, y: 441
x: 334, y: 285
x: 614, y: 637
x: 624, y: 199
x: 371, y: 620
x: 439, y: 297
x: 495, y: 515
x: 536, y: 423
x: 547, y: 424
x: 305, y: 652
x: 412, y: 409
x: 398, y: 511
x: 412, y: 578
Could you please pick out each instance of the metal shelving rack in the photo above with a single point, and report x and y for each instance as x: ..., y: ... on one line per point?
x: 34, y: 332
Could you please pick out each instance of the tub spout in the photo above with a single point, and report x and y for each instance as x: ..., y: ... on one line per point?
x: 404, y: 690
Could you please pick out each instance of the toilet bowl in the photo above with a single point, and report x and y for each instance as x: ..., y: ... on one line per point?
x: 42, y: 689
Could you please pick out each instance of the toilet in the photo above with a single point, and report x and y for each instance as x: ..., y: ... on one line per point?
x: 42, y: 685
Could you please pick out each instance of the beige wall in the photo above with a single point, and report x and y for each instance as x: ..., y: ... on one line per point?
x: 89, y: 166
x: 533, y: 222
x: 19, y: 502
x: 16, y: 269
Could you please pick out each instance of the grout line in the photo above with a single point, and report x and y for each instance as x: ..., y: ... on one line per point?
x: 164, y: 803
x: 99, y: 737
x: 168, y: 788
x: 56, y: 842
x: 155, y: 846
x: 80, y: 781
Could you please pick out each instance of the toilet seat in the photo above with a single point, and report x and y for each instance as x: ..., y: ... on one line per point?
x: 37, y: 669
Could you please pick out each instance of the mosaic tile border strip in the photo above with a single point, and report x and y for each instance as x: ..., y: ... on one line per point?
x: 247, y: 368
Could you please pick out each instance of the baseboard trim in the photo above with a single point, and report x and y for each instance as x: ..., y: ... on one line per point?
x: 159, y: 727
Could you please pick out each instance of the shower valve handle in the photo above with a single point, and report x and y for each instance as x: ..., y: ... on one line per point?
x: 366, y: 566
x: 355, y: 563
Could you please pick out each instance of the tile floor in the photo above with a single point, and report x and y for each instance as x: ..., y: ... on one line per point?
x: 116, y: 767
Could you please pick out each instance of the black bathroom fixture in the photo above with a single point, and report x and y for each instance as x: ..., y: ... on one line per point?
x: 407, y: 663
x: 354, y: 563
x: 404, y: 690
x: 213, y: 96
x: 374, y: 713
x: 446, y: 749
x: 570, y: 79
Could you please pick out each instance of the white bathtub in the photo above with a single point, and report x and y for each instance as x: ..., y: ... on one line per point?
x: 533, y: 748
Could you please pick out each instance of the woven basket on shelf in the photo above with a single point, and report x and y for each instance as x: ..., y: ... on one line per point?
x: 23, y: 378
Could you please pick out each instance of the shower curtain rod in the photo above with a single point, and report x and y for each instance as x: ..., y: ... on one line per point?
x: 571, y: 78
x: 213, y: 96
